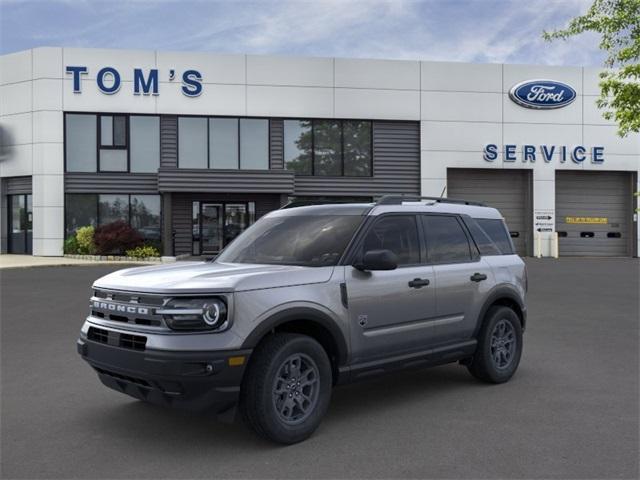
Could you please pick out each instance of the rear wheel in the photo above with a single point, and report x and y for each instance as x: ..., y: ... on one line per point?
x: 499, y: 346
x: 287, y: 388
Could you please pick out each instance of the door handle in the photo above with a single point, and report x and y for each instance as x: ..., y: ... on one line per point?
x: 478, y: 277
x: 419, y: 283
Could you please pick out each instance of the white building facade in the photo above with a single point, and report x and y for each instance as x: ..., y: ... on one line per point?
x: 191, y: 148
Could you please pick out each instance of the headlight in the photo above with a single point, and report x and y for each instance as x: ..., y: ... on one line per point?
x: 195, y: 314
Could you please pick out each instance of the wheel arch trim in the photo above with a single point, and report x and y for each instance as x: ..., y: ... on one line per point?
x: 307, y: 314
x: 502, y: 292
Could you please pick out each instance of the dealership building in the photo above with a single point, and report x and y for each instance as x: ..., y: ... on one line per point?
x: 191, y: 148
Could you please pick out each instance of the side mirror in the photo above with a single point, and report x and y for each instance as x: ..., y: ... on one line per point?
x: 378, y: 260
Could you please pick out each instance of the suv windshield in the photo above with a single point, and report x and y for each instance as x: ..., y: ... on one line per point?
x: 304, y: 240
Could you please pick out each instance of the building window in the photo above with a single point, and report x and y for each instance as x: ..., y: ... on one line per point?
x: 81, y: 210
x: 112, y: 208
x: 142, y: 212
x: 254, y: 144
x: 145, y: 217
x: 332, y: 148
x: 192, y: 142
x: 80, y: 142
x: 112, y: 143
x: 216, y: 224
x: 145, y: 143
x: 297, y: 146
x: 223, y: 143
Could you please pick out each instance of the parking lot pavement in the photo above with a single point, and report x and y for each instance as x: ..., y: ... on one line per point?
x: 571, y: 411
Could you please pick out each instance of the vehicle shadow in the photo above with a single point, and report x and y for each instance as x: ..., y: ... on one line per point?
x: 154, y: 424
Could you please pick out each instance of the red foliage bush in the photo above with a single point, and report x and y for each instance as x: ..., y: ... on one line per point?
x: 116, y: 238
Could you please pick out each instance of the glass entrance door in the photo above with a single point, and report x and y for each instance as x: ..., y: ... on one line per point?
x: 20, y: 224
x: 211, y: 229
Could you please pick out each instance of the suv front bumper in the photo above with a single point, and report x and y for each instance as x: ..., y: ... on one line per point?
x: 202, y: 381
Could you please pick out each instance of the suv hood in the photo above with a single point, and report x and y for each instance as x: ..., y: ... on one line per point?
x: 205, y: 277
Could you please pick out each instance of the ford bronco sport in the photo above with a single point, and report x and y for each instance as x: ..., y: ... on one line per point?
x: 308, y: 298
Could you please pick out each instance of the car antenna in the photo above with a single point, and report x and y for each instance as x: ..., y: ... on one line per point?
x: 443, y: 190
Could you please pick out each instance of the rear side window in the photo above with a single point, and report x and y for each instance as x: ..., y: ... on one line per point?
x: 497, y: 231
x: 486, y: 246
x: 446, y: 240
x: 398, y: 234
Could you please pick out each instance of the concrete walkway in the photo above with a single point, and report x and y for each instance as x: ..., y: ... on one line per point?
x: 23, y: 261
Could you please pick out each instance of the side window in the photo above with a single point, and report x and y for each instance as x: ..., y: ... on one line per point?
x: 398, y: 234
x: 497, y: 231
x: 483, y: 241
x: 446, y: 240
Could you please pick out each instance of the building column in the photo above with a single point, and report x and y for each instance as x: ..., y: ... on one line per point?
x: 167, y: 225
x: 544, y: 205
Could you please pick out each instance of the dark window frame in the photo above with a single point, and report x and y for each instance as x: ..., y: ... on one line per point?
x: 100, y: 147
x: 98, y: 116
x: 238, y: 118
x: 341, y: 121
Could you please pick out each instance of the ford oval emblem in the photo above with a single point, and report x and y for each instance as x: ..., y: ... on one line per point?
x: 542, y: 94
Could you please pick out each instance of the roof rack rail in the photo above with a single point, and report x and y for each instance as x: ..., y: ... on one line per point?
x: 398, y: 199
x: 309, y: 203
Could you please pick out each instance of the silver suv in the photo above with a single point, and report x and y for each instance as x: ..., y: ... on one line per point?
x: 311, y: 297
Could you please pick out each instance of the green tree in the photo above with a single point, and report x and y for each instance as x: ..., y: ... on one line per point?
x: 618, y: 24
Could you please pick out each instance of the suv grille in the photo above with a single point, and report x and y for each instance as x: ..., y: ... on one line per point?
x: 123, y: 340
x: 128, y: 308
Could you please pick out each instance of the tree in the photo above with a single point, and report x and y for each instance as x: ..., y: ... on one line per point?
x: 618, y: 23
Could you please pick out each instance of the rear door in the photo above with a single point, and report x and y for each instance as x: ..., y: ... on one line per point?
x: 390, y: 312
x: 462, y: 277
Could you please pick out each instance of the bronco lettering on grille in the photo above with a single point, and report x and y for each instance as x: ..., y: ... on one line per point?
x: 118, y: 307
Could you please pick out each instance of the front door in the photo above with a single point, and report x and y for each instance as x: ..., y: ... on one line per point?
x: 20, y: 222
x: 211, y: 228
x: 391, y: 312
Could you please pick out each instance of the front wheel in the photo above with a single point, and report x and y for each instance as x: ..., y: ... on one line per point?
x: 499, y: 346
x: 287, y: 388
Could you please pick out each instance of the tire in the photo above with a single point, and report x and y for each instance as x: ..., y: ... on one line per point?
x: 498, y: 362
x: 271, y: 402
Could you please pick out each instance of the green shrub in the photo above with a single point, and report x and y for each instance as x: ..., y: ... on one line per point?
x: 71, y: 245
x: 84, y: 235
x: 144, y: 251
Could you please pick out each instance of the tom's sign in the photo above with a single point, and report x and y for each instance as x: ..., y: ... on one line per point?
x: 542, y: 94
x: 109, y: 80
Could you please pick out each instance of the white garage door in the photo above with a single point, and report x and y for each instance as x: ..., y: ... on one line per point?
x: 594, y: 213
x: 507, y: 190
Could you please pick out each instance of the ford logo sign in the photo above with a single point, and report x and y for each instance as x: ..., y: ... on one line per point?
x: 542, y: 94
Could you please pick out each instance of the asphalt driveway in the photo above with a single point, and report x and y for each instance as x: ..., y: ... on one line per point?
x: 570, y: 412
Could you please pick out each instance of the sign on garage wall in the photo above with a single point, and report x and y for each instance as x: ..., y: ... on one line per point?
x: 544, y: 220
x: 587, y: 220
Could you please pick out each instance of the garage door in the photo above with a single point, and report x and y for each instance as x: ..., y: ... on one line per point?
x: 506, y: 190
x: 593, y: 213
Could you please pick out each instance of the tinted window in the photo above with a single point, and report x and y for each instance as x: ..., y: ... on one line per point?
x: 327, y: 141
x: 446, y: 240
x: 80, y: 143
x: 223, y: 143
x: 357, y: 148
x: 145, y: 217
x: 306, y: 240
x: 398, y: 234
x: 297, y: 146
x: 80, y: 211
x: 497, y: 231
x: 481, y: 239
x: 112, y: 208
x: 254, y: 144
x: 192, y: 142
x: 145, y: 143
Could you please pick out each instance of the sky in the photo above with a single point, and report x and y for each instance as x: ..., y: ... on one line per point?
x: 482, y: 31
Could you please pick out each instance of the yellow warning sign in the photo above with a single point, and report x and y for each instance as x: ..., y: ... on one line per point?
x: 587, y: 220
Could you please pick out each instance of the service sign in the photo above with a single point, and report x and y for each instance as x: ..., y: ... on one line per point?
x: 542, y: 94
x: 544, y: 220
